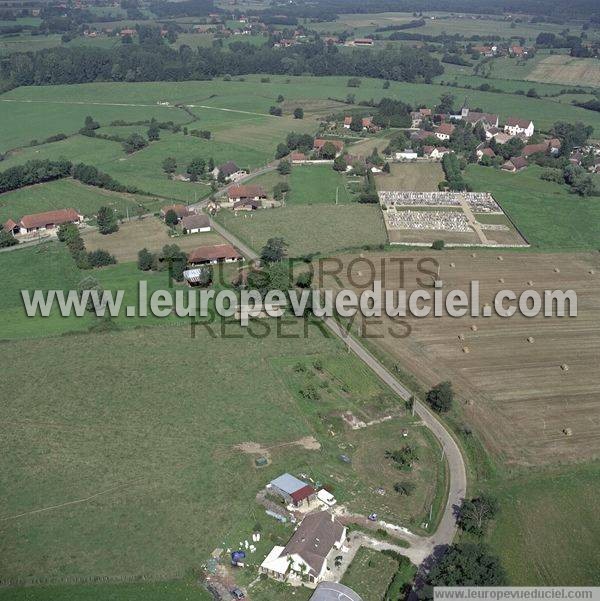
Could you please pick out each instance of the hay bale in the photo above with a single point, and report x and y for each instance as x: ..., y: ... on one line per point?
x: 531, y: 339
x: 461, y: 336
x: 501, y: 280
x: 592, y: 272
x: 556, y: 270
x: 500, y: 258
x: 473, y: 255
x: 452, y: 265
x: 474, y: 328
x: 359, y: 273
x: 530, y: 282
x: 564, y: 367
x: 567, y: 432
x: 466, y: 349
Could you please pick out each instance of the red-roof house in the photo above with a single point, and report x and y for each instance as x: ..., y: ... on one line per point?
x: 48, y: 220
x: 248, y: 192
x: 444, y: 131
x: 216, y: 253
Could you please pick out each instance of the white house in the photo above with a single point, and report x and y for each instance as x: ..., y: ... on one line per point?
x: 193, y: 224
x: 306, y: 557
x: 516, y: 127
x: 444, y: 131
x: 231, y: 172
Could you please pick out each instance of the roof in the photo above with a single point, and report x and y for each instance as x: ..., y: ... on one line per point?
x: 298, y: 156
x: 519, y: 162
x: 179, y: 210
x: 9, y: 225
x: 213, y: 252
x: 530, y: 149
x: 190, y: 222
x: 522, y: 123
x: 288, y: 483
x: 247, y: 202
x: 422, y: 134
x: 249, y: 191
x: 332, y: 591
x: 314, y: 539
x: 228, y: 168
x: 319, y: 143
x: 488, y: 152
x: 49, y: 217
x: 367, y: 121
x: 347, y: 120
x: 502, y: 138
x: 445, y: 128
x: 425, y: 112
x: 303, y: 493
x: 475, y: 117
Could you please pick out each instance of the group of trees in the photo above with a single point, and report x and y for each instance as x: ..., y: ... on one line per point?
x: 452, y: 169
x: 294, y: 141
x: 403, y: 458
x: 170, y: 257
x: 369, y: 194
x: 69, y: 234
x: 33, y: 172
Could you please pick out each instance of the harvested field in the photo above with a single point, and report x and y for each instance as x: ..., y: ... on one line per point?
x: 512, y: 391
x: 149, y: 233
x: 564, y: 69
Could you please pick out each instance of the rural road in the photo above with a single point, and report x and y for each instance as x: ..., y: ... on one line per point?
x: 421, y: 546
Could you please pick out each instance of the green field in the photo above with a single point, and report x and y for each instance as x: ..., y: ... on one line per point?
x: 370, y: 574
x: 253, y: 96
x: 310, y: 184
x: 310, y: 229
x: 68, y: 193
x: 547, y: 530
x: 145, y: 461
x: 550, y: 217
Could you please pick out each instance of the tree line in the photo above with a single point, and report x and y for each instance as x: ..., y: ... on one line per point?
x: 158, y: 62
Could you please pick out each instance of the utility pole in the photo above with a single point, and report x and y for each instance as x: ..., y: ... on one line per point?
x: 337, y: 189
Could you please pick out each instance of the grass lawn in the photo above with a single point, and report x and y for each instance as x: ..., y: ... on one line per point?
x: 547, y: 530
x: 309, y: 184
x: 550, y: 217
x: 149, y: 458
x: 370, y: 574
x: 411, y: 176
x: 310, y: 229
x: 67, y: 193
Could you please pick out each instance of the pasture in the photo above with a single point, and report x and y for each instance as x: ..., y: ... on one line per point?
x: 511, y: 391
x: 253, y: 96
x: 309, y: 229
x: 547, y: 530
x: 64, y: 193
x: 549, y: 216
x: 309, y: 185
x: 148, y: 461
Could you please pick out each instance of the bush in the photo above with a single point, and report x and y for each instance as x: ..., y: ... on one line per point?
x: 100, y: 258
x: 441, y: 397
x: 438, y: 245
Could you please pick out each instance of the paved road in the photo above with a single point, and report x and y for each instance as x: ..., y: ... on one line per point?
x: 444, y: 535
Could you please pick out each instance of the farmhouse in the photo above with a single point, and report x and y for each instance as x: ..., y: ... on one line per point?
x: 292, y: 490
x: 516, y: 127
x: 192, y: 224
x: 298, y: 157
x: 518, y: 51
x: 180, y: 210
x: 551, y: 146
x: 126, y: 32
x: 42, y: 221
x: 444, y: 131
x: 308, y: 551
x: 485, y: 152
x: 213, y: 254
x: 229, y: 170
x: 515, y: 164
x: 249, y: 192
x: 418, y: 116
x: 488, y: 120
x: 247, y: 205
x: 332, y: 591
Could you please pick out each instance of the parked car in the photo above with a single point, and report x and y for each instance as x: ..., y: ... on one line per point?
x: 237, y: 593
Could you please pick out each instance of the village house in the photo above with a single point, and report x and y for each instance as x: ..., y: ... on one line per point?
x: 39, y: 222
x: 444, y: 131
x: 518, y: 51
x: 247, y: 192
x: 502, y: 138
x: 488, y: 120
x: 127, y: 32
x: 193, y: 224
x: 307, y: 554
x: 517, y: 127
x: 552, y: 146
x: 298, y: 157
x: 514, y: 164
x: 292, y: 490
x: 320, y: 142
x: 213, y: 254
x: 180, y: 210
x: 433, y: 152
x: 418, y: 116
x: 231, y: 172
x: 485, y: 50
x: 485, y: 152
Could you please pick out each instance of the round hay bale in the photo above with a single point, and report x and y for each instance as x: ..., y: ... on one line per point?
x: 500, y: 258
x: 567, y: 432
x: 474, y: 328
x: 461, y: 336
x: 501, y: 280
x: 359, y: 273
x: 473, y: 255
x: 592, y: 272
x: 531, y: 339
x: 530, y: 282
x: 452, y: 265
x: 470, y: 402
x: 564, y: 367
x: 556, y: 270
x: 466, y: 349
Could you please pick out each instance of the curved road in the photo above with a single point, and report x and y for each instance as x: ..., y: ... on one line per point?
x: 421, y: 547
